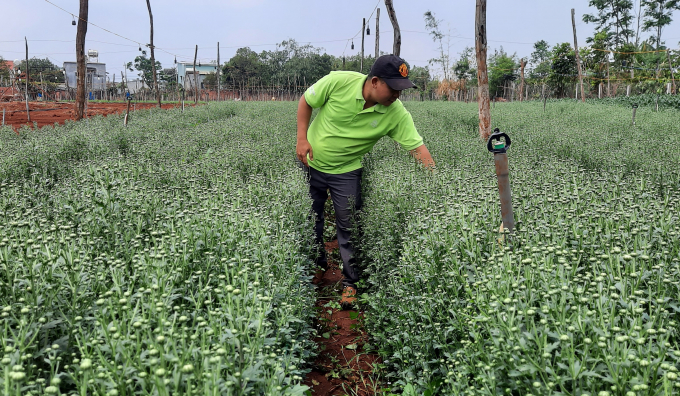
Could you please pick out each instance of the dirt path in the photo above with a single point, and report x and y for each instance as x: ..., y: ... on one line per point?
x: 343, y: 366
x: 47, y: 113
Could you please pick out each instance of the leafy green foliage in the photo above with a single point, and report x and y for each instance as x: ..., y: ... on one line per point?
x: 168, y: 257
x: 583, y: 300
x: 563, y: 68
x: 143, y: 65
x: 502, y: 70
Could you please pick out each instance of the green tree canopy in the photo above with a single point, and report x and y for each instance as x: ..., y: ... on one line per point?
x: 658, y: 14
x: 613, y: 16
x: 464, y: 68
x: 143, y: 66
x: 50, y: 72
x: 502, y: 69
x: 563, y: 69
x: 541, y: 60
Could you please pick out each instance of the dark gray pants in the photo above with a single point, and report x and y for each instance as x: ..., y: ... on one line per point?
x: 345, y: 192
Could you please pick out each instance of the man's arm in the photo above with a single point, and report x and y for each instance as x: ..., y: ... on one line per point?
x: 422, y: 155
x: 304, y: 114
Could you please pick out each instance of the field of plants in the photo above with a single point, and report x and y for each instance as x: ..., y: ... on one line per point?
x: 173, y: 256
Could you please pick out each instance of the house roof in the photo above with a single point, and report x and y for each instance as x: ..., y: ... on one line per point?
x: 10, y: 64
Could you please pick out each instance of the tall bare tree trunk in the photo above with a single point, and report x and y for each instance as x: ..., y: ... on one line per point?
x: 521, y: 86
x: 363, y: 32
x: 80, y: 59
x: 377, y: 33
x: 218, y: 71
x: 195, y: 77
x: 153, y: 58
x: 28, y: 114
x: 578, y: 60
x: 396, y: 49
x: 482, y: 75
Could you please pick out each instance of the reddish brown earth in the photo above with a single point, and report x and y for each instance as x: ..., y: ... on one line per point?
x: 47, y: 113
x: 343, y: 366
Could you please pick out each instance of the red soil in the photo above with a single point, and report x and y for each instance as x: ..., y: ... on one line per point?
x: 338, y: 369
x: 47, y: 113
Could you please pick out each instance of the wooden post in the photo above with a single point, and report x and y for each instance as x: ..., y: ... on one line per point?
x: 153, y: 58
x: 396, y: 48
x: 522, y: 63
x: 195, y: 78
x: 377, y: 34
x: 42, y: 87
x: 670, y: 67
x: 609, y: 85
x: 482, y: 75
x: 218, y: 71
x: 80, y: 59
x: 127, y: 113
x: 28, y: 114
x: 545, y: 98
x: 578, y: 59
x: 363, y: 33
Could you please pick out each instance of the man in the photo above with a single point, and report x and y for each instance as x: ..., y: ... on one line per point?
x: 355, y: 112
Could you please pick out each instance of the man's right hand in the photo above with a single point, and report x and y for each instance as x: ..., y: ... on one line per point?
x: 303, y: 147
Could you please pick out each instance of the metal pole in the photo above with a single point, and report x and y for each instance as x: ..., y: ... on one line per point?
x: 499, y: 149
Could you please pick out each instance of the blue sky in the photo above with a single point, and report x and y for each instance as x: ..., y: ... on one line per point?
x: 259, y: 24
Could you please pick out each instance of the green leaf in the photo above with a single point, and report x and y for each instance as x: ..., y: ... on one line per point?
x: 326, y: 335
x: 351, y: 346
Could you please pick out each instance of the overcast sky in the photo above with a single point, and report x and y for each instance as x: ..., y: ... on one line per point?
x: 260, y: 24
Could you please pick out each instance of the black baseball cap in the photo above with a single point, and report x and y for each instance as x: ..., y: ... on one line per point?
x: 394, y: 71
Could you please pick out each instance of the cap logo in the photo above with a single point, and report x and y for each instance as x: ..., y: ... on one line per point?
x: 403, y: 70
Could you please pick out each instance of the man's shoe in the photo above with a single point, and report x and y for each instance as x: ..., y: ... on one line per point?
x: 348, y: 297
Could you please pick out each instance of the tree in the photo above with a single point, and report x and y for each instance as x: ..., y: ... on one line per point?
x: 50, y: 72
x: 463, y: 68
x: 421, y: 77
x: 540, y: 60
x: 658, y: 13
x: 169, y: 78
x: 243, y: 67
x: 502, y: 69
x: 597, y: 57
x: 432, y: 24
x: 145, y: 68
x: 153, y: 57
x: 4, y: 68
x: 80, y: 59
x: 614, y: 17
x: 210, y: 80
x: 563, y: 69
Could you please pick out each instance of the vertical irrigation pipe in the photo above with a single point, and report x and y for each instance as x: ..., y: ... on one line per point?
x: 499, y: 149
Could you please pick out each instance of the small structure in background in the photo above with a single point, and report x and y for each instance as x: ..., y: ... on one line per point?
x: 185, y: 73
x: 95, y: 79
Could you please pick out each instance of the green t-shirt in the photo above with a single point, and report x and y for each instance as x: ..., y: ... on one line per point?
x: 343, y: 131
